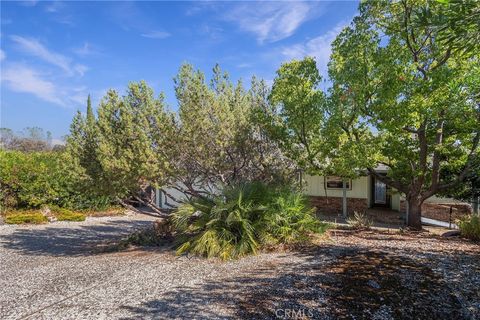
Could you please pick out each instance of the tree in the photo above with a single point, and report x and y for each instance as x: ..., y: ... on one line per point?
x: 132, y: 132
x: 303, y: 120
x: 218, y: 142
x: 407, y: 98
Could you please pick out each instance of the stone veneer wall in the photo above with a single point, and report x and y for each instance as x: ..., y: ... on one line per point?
x: 333, y: 205
x: 441, y: 211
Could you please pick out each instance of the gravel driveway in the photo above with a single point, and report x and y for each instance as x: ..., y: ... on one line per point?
x: 50, y: 272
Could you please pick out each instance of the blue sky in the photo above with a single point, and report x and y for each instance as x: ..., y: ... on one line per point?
x: 53, y: 54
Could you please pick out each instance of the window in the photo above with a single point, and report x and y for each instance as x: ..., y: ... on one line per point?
x: 334, y: 182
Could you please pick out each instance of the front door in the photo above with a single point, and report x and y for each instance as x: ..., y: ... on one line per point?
x: 380, y: 193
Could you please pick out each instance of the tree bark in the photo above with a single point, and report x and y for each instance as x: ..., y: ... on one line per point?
x: 414, y: 214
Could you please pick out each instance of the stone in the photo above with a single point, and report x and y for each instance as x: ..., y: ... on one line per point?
x: 374, y: 284
x: 451, y: 233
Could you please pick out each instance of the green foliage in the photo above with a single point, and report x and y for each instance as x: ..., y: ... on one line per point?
x: 122, y: 150
x: 405, y: 98
x: 21, y: 217
x: 306, y: 123
x: 470, y: 227
x: 297, y: 118
x: 63, y: 214
x: 242, y: 220
x: 360, y: 220
x: 33, y: 179
x: 458, y: 24
x: 217, y: 141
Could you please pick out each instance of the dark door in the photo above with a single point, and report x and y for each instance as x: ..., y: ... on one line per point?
x: 380, y: 194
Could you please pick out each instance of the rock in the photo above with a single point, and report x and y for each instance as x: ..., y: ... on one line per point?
x: 384, y: 313
x: 46, y: 211
x: 373, y: 284
x: 451, y: 233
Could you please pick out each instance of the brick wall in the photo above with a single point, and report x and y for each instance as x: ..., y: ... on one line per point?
x: 333, y: 205
x: 441, y: 211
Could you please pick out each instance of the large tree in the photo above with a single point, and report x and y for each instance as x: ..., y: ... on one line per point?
x: 217, y: 142
x: 122, y: 152
x: 304, y: 121
x: 408, y: 97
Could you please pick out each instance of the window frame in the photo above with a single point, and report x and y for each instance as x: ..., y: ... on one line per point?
x: 349, y: 183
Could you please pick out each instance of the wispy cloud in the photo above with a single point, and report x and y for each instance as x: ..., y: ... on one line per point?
x: 319, y: 47
x: 2, y: 55
x: 156, y: 34
x: 54, y: 6
x: 21, y: 78
x: 29, y: 3
x: 35, y: 48
x: 87, y: 49
x: 271, y: 21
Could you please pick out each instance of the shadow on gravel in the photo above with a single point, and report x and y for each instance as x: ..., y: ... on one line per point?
x: 68, y: 241
x: 331, y: 283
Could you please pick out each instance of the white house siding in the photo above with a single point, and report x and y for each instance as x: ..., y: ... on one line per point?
x: 314, y: 186
x: 395, y: 201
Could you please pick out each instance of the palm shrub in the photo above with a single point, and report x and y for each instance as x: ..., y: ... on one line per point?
x: 360, y: 220
x: 288, y: 218
x: 242, y: 220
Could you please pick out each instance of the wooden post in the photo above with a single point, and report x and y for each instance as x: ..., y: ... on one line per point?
x: 158, y: 201
x: 406, y: 212
x: 450, y: 218
x: 344, y: 202
x: 476, y: 201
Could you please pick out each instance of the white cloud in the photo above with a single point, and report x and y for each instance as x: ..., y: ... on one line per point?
x: 29, y: 3
x: 319, y: 47
x: 80, y: 69
x: 271, y: 21
x: 54, y: 6
x: 156, y: 34
x: 2, y: 55
x: 85, y: 50
x: 21, y: 78
x: 35, y: 48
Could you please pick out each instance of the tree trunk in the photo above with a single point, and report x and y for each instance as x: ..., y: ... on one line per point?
x: 414, y: 214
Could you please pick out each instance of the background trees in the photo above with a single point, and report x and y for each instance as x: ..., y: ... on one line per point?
x: 30, y: 139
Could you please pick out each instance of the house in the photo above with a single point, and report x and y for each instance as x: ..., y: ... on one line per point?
x: 366, y: 192
x: 362, y: 193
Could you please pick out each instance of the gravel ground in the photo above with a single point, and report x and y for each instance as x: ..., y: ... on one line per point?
x: 50, y: 272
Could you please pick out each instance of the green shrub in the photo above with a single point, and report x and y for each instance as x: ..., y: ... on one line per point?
x: 63, y: 214
x: 34, y: 179
x: 21, y: 217
x: 360, y: 220
x: 470, y: 227
x: 242, y: 220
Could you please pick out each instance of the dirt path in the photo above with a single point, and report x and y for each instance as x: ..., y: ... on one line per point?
x: 50, y: 272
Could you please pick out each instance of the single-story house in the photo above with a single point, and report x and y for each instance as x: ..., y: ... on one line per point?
x: 366, y: 192
x: 363, y: 193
